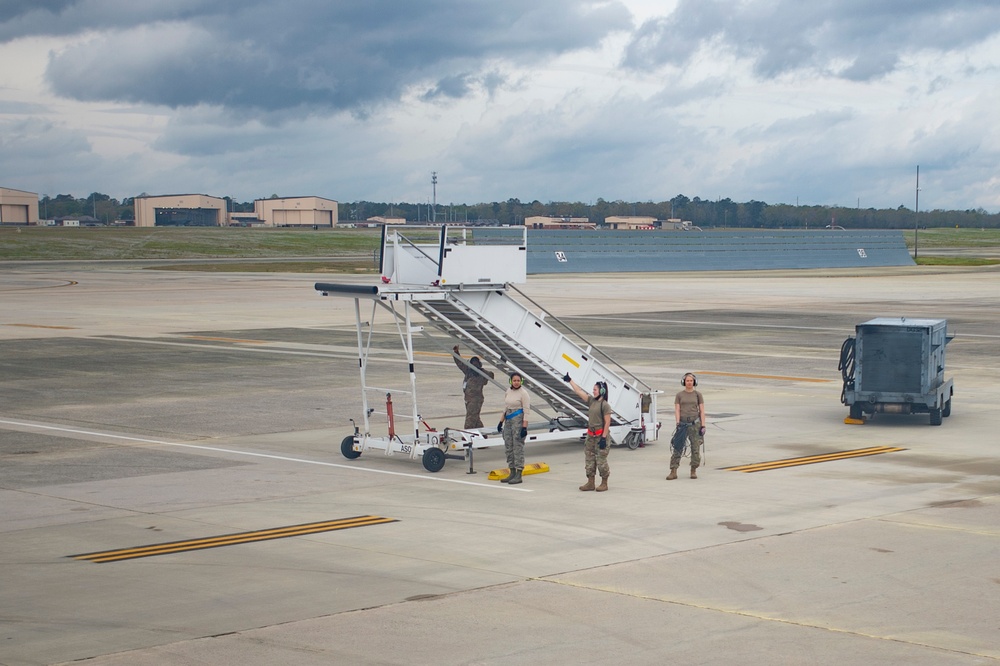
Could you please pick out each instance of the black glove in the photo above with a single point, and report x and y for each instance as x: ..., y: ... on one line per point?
x: 524, y: 432
x: 500, y: 427
x: 602, y: 443
x: 701, y: 431
x: 566, y: 378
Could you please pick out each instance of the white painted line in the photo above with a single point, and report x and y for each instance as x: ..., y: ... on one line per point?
x: 270, y: 456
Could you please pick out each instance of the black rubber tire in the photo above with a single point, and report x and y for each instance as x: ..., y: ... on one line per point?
x: 946, y: 412
x: 935, y: 416
x: 633, y: 440
x: 433, y: 459
x: 856, y: 412
x: 347, y: 448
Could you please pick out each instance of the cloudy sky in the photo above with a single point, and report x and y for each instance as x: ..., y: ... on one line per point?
x: 816, y: 102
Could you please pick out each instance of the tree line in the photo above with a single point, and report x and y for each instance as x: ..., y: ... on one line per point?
x: 704, y: 213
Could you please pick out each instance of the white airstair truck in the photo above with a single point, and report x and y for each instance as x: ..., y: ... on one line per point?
x: 460, y: 280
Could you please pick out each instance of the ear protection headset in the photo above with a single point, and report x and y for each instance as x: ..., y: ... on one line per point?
x: 510, y: 380
x: 692, y: 376
x: 602, y: 389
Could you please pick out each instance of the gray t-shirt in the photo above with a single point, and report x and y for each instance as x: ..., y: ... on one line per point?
x: 689, y: 403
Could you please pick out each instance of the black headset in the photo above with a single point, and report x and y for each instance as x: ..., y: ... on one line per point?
x: 689, y: 374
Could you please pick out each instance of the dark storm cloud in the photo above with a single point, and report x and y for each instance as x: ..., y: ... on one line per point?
x: 300, y: 53
x: 852, y: 39
x: 20, y: 9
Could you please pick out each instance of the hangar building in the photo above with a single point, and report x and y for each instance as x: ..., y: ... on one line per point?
x: 201, y: 210
x: 180, y: 210
x: 296, y: 212
x: 18, y: 206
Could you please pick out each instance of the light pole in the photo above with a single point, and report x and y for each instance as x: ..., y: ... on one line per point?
x: 916, y: 217
x: 434, y: 184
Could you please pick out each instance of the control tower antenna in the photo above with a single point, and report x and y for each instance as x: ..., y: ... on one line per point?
x: 434, y: 185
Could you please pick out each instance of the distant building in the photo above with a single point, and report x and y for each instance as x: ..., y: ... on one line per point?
x: 631, y: 222
x: 677, y: 224
x: 18, y: 206
x: 297, y: 212
x: 245, y: 220
x: 76, y: 221
x: 558, y: 222
x: 181, y: 210
x: 381, y: 220
x: 202, y: 210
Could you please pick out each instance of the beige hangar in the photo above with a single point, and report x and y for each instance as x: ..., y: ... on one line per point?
x: 180, y: 210
x: 201, y: 210
x: 18, y: 206
x: 296, y: 212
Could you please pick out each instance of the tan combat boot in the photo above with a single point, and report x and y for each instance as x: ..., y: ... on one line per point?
x: 672, y: 475
x: 589, y: 485
x: 694, y: 475
x: 604, y: 484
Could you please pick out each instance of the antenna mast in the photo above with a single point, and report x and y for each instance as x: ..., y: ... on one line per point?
x: 916, y: 217
x: 434, y: 185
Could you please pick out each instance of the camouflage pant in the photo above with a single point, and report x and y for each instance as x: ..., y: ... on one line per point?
x: 513, y: 443
x: 473, y: 406
x: 696, y: 441
x: 595, y: 459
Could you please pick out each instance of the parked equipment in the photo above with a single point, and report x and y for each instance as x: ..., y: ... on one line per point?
x: 459, y: 281
x: 896, y: 366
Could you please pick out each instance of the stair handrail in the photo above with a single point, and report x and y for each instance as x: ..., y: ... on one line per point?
x: 581, y: 337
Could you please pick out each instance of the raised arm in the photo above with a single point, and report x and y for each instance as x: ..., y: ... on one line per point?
x: 576, y: 387
x: 457, y: 358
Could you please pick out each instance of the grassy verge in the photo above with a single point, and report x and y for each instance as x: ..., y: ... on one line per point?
x: 956, y: 261
x: 967, y: 239
x: 291, y: 250
x: 111, y: 243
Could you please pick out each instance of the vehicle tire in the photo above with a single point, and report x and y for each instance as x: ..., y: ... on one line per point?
x: 347, y: 448
x: 633, y: 440
x: 856, y: 412
x: 433, y: 459
x: 946, y: 412
x: 935, y: 416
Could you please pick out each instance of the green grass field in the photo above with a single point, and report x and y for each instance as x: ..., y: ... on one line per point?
x: 333, y: 250
x: 87, y: 243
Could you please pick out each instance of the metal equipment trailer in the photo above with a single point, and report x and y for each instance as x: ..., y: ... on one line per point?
x: 460, y: 281
x: 896, y: 366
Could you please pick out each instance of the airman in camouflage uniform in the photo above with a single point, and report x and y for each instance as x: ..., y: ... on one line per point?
x: 475, y: 380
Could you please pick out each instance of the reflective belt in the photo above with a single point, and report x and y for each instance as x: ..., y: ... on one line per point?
x: 513, y: 414
x: 595, y: 431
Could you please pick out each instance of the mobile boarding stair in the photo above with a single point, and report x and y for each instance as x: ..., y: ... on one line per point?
x: 459, y: 281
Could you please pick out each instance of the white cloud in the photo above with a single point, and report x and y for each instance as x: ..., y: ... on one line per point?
x: 772, y: 100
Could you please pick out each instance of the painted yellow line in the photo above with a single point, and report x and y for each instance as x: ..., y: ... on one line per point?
x: 780, y: 377
x: 571, y: 361
x: 231, y: 539
x: 809, y: 460
x: 206, y: 337
x: 61, y: 328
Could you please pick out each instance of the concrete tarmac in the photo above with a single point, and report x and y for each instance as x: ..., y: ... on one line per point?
x: 140, y: 408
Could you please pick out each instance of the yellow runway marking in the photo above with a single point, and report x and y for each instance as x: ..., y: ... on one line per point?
x: 231, y: 539
x: 740, y: 374
x: 809, y: 460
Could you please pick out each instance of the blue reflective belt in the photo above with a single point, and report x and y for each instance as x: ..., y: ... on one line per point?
x: 513, y: 414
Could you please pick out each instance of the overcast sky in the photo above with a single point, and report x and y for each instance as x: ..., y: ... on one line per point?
x: 816, y: 102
